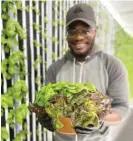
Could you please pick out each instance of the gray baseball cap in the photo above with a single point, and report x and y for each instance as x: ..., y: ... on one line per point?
x: 81, y: 12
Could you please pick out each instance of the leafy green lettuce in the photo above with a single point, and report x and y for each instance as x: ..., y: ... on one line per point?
x: 82, y: 102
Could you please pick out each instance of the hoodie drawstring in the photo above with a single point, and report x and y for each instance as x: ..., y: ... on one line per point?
x: 74, y: 70
x: 81, y: 72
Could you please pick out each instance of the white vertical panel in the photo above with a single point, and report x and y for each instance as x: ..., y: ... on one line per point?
x: 26, y: 66
x: 43, y: 53
x: 0, y: 51
x: 16, y: 77
x: 49, y: 31
x: 97, y: 19
x: 71, y: 3
x: 64, y: 27
x: 5, y: 90
x: 32, y: 70
x: 67, y: 5
x: 56, y: 30
x: 60, y: 28
x: 112, y: 36
x: 38, y: 67
x: 37, y: 38
x: 49, y: 45
x: 76, y: 1
x: 109, y: 47
x: 42, y: 40
x: 97, y: 11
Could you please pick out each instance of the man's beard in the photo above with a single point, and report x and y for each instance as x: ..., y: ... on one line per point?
x: 83, y: 55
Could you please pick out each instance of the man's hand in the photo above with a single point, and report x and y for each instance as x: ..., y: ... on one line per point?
x: 89, y: 129
x: 112, y: 118
x: 42, y: 116
x: 46, y: 122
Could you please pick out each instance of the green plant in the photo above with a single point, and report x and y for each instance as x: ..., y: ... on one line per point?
x: 6, y: 6
x: 4, y: 134
x: 38, y: 80
x: 8, y: 38
x: 37, y: 44
x: 36, y: 10
x: 37, y: 62
x: 15, y: 114
x: 81, y: 101
x: 54, y: 39
x: 14, y: 64
x: 21, y: 135
x: 16, y: 92
x: 123, y: 49
x: 37, y: 27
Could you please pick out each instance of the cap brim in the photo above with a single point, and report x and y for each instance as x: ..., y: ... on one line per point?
x: 90, y: 23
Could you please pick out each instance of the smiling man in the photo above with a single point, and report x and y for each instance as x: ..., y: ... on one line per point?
x: 80, y: 37
x: 85, y: 62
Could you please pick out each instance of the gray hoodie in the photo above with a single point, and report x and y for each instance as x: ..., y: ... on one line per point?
x: 109, y: 76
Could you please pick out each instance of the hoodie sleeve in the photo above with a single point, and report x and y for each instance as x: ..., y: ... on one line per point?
x: 51, y: 75
x: 53, y: 70
x: 118, y: 87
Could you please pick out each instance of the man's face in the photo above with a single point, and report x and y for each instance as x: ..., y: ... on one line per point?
x: 80, y: 38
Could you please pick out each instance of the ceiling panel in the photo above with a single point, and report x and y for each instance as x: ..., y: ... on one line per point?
x: 122, y: 5
x: 122, y: 11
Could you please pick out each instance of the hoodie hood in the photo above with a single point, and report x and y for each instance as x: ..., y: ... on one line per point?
x: 94, y: 51
x: 70, y: 56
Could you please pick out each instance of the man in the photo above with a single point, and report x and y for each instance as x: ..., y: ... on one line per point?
x: 84, y: 62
